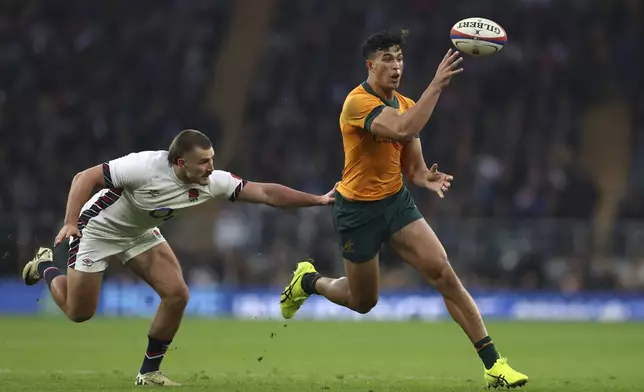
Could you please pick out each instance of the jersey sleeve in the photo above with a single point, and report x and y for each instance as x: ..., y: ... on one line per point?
x: 130, y: 171
x: 360, y: 110
x: 225, y: 185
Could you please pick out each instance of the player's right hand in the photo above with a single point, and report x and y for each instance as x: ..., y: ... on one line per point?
x: 69, y: 230
x: 449, y: 67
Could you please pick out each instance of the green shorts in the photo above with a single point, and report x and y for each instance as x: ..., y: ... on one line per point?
x: 363, y: 226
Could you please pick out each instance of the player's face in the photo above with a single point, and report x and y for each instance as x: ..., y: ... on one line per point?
x: 198, y: 164
x: 388, y: 67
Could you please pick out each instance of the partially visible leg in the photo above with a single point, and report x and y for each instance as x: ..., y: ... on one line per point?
x: 159, y: 267
x: 357, y: 291
x: 361, y: 228
x: 75, y: 294
x: 418, y: 245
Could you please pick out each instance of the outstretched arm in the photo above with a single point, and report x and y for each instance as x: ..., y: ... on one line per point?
x: 416, y: 171
x: 281, y: 196
x: 388, y: 122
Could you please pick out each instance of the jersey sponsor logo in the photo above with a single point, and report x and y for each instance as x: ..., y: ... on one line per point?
x: 380, y: 139
x: 164, y: 213
x: 193, y: 194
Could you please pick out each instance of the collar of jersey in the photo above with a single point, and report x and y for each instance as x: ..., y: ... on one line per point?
x: 394, y: 104
x: 174, y: 177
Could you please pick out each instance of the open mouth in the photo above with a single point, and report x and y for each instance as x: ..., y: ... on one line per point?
x: 395, y: 78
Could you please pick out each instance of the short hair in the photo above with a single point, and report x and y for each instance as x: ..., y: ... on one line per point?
x: 382, y: 41
x: 184, y: 142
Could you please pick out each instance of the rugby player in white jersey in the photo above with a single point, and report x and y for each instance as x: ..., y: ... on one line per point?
x: 141, y: 191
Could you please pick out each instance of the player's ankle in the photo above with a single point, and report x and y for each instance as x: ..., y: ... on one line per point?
x: 487, y: 352
x: 154, y: 355
x: 48, y: 272
x: 42, y: 266
x: 308, y: 282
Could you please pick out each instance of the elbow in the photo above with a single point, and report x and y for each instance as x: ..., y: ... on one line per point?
x: 411, y: 175
x: 79, y: 176
x: 405, y: 132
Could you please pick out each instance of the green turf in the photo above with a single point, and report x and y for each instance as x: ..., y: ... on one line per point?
x: 39, y: 354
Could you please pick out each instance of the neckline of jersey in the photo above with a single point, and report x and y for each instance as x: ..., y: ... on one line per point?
x: 394, y: 104
x: 174, y: 177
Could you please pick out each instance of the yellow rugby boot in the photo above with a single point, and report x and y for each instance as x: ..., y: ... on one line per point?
x: 502, y: 375
x: 293, y: 295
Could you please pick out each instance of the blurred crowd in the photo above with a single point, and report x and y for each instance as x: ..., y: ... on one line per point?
x: 81, y: 84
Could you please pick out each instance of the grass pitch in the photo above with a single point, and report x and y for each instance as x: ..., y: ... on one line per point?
x: 51, y: 354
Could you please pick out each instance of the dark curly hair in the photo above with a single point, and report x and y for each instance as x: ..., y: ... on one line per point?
x: 382, y: 41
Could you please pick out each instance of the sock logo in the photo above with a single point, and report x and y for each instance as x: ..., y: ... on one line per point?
x: 156, y: 355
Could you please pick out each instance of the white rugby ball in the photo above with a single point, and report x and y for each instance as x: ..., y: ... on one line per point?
x: 478, y: 36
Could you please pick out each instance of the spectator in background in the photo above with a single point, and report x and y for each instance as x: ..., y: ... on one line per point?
x: 80, y: 84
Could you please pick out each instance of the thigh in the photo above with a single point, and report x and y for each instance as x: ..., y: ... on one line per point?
x: 83, y: 292
x: 87, y: 259
x: 363, y: 280
x: 419, y: 246
x: 159, y: 267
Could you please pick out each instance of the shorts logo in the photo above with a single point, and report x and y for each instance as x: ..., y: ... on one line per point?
x: 348, y: 246
x: 193, y: 194
x: 156, y: 234
x: 87, y: 262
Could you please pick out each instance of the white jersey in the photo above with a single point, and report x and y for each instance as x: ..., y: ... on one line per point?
x: 142, y: 192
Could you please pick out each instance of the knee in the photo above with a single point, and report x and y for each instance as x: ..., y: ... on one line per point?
x: 434, y: 265
x: 445, y: 277
x: 364, y: 306
x: 177, y: 297
x: 79, y: 317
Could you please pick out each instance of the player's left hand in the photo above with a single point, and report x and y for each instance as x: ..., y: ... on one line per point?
x: 329, y: 197
x: 438, y: 182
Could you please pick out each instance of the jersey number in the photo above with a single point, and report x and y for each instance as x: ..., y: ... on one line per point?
x: 163, y: 213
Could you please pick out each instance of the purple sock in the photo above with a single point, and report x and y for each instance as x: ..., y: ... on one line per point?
x: 154, y: 354
x: 48, y: 272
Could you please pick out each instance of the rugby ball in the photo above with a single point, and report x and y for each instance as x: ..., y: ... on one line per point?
x: 478, y: 36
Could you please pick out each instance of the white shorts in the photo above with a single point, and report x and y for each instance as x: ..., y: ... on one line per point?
x: 90, y: 254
